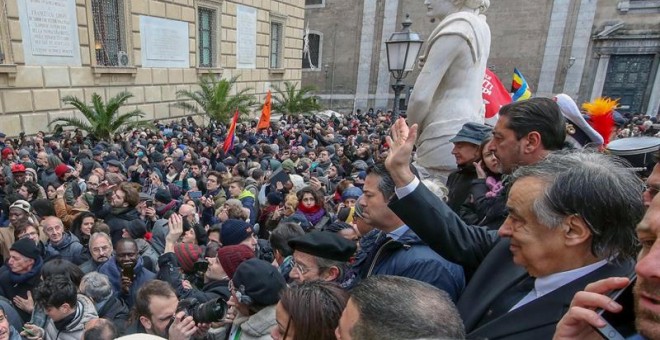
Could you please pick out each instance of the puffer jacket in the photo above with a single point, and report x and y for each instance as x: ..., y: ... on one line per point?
x: 85, y: 311
x: 142, y: 276
x: 410, y: 257
x: 69, y: 249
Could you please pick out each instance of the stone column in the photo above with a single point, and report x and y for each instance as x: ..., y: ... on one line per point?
x: 389, y: 27
x: 366, y: 54
x: 654, y: 101
x: 580, y: 48
x: 601, y: 74
x: 553, y: 47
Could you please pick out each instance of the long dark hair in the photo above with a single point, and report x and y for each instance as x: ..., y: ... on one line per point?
x: 314, y: 309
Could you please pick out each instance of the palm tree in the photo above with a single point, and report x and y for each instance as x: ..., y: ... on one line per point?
x: 292, y: 101
x: 103, y: 119
x: 215, y: 100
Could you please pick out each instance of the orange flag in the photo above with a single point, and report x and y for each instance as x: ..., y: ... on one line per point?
x: 264, y: 121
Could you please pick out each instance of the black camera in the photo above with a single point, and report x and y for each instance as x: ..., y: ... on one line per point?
x: 211, y: 311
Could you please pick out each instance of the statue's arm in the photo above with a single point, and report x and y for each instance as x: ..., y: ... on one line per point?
x: 444, y: 52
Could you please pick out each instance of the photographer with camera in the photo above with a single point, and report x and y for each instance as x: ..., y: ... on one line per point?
x: 159, y: 312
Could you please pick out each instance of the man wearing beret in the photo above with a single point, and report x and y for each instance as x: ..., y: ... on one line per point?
x: 320, y: 256
x: 467, y: 150
x: 24, y: 273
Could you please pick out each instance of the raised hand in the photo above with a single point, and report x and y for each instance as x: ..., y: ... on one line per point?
x: 401, y: 142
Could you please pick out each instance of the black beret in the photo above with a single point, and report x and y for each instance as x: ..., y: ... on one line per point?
x: 325, y: 245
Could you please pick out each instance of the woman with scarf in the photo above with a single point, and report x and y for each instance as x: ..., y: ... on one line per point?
x: 311, y: 206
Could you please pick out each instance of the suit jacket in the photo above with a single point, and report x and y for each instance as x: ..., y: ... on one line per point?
x: 482, y: 251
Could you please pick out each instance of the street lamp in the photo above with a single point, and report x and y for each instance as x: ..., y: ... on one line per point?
x: 402, y: 51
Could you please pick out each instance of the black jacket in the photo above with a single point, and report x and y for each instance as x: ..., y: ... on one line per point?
x: 116, y: 311
x: 486, y: 254
x: 117, y: 219
x: 459, y: 183
x: 169, y: 272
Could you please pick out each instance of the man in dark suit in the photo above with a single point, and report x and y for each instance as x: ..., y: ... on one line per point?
x: 571, y: 221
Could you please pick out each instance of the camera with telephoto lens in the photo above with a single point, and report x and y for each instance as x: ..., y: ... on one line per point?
x: 211, y: 311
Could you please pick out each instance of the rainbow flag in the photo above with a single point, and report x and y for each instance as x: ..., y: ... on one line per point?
x: 519, y: 87
x: 229, y: 141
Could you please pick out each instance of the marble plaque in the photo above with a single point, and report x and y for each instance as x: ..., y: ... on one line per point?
x: 164, y: 42
x: 50, y: 32
x: 246, y: 37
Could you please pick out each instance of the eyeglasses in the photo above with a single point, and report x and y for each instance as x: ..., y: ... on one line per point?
x: 302, y: 270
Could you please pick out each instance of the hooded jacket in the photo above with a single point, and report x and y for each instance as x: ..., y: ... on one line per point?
x: 69, y: 249
x: 116, y: 311
x: 85, y: 311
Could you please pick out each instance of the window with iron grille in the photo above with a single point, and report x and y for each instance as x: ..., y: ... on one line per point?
x: 311, y: 56
x: 109, y: 25
x: 275, y: 45
x: 206, y: 35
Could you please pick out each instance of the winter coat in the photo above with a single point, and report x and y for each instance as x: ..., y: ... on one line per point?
x: 248, y: 200
x: 142, y: 275
x: 48, y: 176
x: 12, y: 285
x: 69, y: 249
x: 484, y: 211
x: 116, y: 311
x: 146, y: 250
x: 254, y: 327
x: 170, y: 272
x: 459, y: 183
x: 90, y: 266
x: 85, y: 312
x: 410, y: 257
x: 117, y: 219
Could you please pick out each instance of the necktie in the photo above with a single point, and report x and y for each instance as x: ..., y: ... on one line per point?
x: 503, y: 303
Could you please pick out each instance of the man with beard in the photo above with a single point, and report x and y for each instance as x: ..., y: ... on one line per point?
x: 100, y: 247
x: 120, y: 210
x: 581, y: 319
x: 126, y: 271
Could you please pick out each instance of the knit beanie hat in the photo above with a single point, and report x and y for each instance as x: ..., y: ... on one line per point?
x: 61, y: 170
x: 231, y: 257
x: 289, y: 166
x: 137, y: 230
x: 163, y: 196
x: 23, y: 205
x: 274, y: 198
x: 234, y: 232
x: 260, y: 281
x: 351, y: 192
x: 6, y: 152
x: 187, y: 254
x: 174, y: 190
x: 26, y: 247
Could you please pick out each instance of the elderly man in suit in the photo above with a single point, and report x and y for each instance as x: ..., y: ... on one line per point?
x: 571, y: 221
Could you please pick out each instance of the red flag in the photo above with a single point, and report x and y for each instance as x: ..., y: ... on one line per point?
x: 229, y: 141
x: 264, y: 121
x: 494, y: 94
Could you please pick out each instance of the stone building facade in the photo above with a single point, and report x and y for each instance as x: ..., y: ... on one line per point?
x: 50, y: 49
x: 585, y: 48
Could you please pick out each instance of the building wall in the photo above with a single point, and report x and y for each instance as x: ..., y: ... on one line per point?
x: 30, y: 94
x: 552, y: 42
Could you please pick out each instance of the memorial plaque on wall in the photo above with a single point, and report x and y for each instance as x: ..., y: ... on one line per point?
x: 50, y: 32
x: 246, y: 37
x: 164, y: 42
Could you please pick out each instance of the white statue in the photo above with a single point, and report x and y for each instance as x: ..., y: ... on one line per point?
x: 447, y: 93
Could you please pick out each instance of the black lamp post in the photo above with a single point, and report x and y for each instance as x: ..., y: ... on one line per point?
x: 402, y: 51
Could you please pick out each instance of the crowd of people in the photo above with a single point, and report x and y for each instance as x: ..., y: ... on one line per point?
x: 322, y: 228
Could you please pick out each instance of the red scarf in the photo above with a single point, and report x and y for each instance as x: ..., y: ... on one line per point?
x: 312, y: 210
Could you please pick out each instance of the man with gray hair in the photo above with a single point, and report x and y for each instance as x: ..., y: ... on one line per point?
x: 100, y: 247
x: 571, y: 221
x: 98, y: 288
x: 420, y: 310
